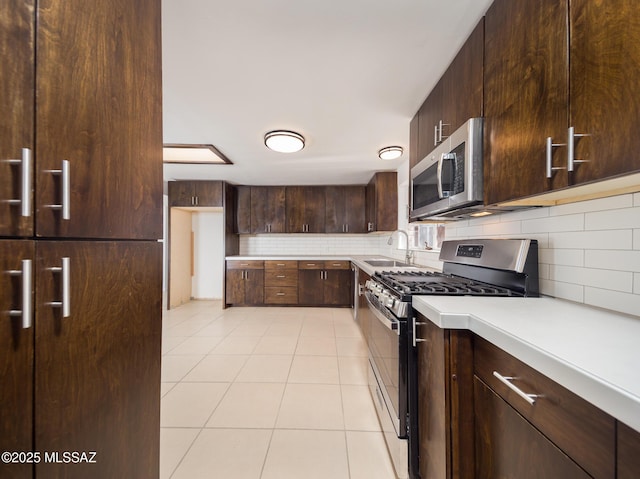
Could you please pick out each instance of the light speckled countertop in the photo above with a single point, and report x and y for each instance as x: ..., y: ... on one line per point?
x: 594, y: 353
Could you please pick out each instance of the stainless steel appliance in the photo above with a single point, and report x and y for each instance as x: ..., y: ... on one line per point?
x: 448, y: 181
x: 484, y: 267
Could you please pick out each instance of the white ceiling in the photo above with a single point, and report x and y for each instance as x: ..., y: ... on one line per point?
x: 347, y: 74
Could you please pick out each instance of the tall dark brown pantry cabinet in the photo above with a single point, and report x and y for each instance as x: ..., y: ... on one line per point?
x: 80, y: 219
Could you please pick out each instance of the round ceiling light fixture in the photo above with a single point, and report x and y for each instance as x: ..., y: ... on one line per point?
x: 390, y: 153
x: 284, y: 141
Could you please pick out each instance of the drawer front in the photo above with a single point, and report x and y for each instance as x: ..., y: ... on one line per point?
x: 279, y: 264
x: 337, y: 265
x: 285, y: 277
x: 245, y: 264
x: 583, y: 431
x: 283, y: 295
x: 311, y: 264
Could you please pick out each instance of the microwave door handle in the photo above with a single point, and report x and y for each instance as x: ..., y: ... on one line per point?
x: 440, y: 162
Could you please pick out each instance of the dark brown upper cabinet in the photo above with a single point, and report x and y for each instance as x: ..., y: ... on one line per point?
x: 268, y: 209
x: 382, y: 202
x: 305, y: 209
x: 243, y: 210
x: 537, y: 101
x: 345, y: 209
x: 456, y: 97
x: 98, y: 118
x: 17, y: 83
x: 195, y: 193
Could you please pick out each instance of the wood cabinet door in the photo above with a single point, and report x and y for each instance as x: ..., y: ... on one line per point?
x: 431, y: 113
x: 382, y: 193
x: 414, y: 135
x: 234, y: 286
x: 310, y: 287
x: 345, y: 210
x: 17, y: 56
x: 16, y: 358
x: 628, y: 452
x: 254, y: 286
x: 338, y: 286
x: 208, y: 193
x: 268, y: 209
x: 525, y: 96
x: 508, y: 446
x: 99, y: 107
x: 605, y: 87
x: 243, y: 209
x: 305, y: 209
x: 97, y: 375
x: 181, y: 193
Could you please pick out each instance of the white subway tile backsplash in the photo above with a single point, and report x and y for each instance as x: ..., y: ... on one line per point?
x: 611, y: 203
x: 608, y: 239
x: 636, y: 239
x: 598, y: 278
x: 623, y: 302
x: 502, y: 228
x: 526, y: 214
x: 568, y: 291
x: 636, y: 283
x: 636, y: 199
x: 566, y: 257
x: 615, y: 260
x: 554, y: 224
x: 543, y: 270
x: 613, y: 219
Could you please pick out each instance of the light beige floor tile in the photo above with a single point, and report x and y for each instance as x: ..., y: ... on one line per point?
x: 352, y: 347
x: 307, y: 454
x: 353, y: 370
x: 249, y: 405
x: 312, y: 346
x: 190, y: 404
x: 280, y: 328
x: 174, y: 443
x: 225, y: 454
x: 174, y: 368
x: 318, y: 329
x: 368, y: 456
x: 171, y: 342
x: 217, y: 368
x: 196, y: 345
x: 266, y: 368
x: 186, y: 328
x: 236, y: 345
x: 251, y: 328
x: 347, y: 329
x: 311, y: 406
x: 219, y: 327
x: 314, y: 369
x: 317, y: 314
x: 359, y: 411
x: 165, y: 388
x: 277, y: 345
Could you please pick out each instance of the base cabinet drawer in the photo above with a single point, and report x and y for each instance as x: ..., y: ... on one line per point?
x: 285, y: 277
x: 584, y: 432
x: 282, y: 295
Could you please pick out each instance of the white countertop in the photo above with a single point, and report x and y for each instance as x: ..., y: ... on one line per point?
x: 594, y: 353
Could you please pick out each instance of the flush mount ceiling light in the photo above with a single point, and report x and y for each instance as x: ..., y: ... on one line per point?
x: 284, y: 141
x: 390, y: 153
x: 191, y: 153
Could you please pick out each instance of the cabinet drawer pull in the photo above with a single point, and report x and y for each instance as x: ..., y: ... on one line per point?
x: 571, y: 159
x: 25, y: 312
x: 311, y: 264
x: 25, y: 182
x: 65, y: 304
x: 506, y: 380
x: 337, y: 264
x: 65, y: 175
x: 281, y: 276
x: 244, y: 264
x: 279, y: 294
x: 280, y: 264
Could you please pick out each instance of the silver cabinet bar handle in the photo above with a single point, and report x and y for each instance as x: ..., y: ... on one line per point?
x: 506, y: 380
x: 571, y: 147
x: 25, y: 163
x: 27, y: 282
x: 65, y: 204
x: 435, y: 135
x: 549, y: 157
x: 65, y: 304
x: 279, y: 294
x: 415, y: 339
x: 280, y: 276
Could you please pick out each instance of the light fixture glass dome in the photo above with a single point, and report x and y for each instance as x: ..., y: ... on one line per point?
x: 390, y: 153
x: 284, y: 141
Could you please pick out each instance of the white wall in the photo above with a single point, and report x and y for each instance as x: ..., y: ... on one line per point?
x: 208, y: 229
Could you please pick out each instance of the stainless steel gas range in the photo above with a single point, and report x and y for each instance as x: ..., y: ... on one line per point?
x: 483, y: 267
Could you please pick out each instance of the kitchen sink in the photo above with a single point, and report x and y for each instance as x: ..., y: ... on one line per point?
x: 385, y: 262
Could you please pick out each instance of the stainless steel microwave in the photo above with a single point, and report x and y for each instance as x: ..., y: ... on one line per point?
x: 448, y: 183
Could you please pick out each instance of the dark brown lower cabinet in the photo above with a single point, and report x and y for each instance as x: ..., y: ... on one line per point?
x: 310, y: 287
x: 508, y: 446
x: 84, y: 376
x: 97, y: 374
x: 16, y: 358
x: 326, y: 283
x: 244, y: 283
x: 628, y: 452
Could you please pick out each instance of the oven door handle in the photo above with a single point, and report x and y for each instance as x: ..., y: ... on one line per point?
x: 386, y: 322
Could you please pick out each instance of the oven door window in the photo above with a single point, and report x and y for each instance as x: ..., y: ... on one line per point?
x: 425, y: 187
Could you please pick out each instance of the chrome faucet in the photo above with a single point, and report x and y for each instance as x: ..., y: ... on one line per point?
x: 408, y: 255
